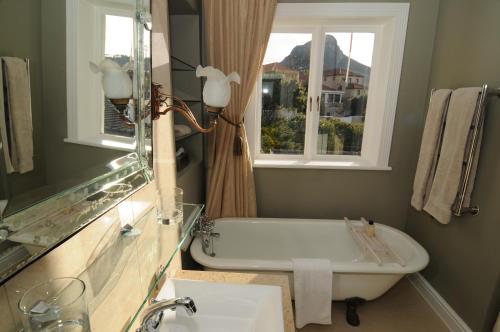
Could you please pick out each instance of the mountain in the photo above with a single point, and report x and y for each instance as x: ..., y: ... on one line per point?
x: 298, y: 58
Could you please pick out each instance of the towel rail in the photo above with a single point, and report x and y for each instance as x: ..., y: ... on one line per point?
x: 459, y: 209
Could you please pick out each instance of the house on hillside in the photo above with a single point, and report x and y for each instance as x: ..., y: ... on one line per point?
x: 279, y: 90
x: 338, y: 91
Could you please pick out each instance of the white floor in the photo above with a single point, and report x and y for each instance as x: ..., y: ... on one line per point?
x: 401, y: 309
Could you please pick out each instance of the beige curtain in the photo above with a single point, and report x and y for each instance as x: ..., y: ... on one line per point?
x: 237, y: 32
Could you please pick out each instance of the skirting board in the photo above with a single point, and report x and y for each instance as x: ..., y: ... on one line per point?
x: 451, y: 319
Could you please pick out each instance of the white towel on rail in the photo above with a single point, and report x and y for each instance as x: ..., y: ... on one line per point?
x: 312, y: 280
x: 429, y: 148
x: 4, y: 132
x: 454, y: 150
x: 18, y: 101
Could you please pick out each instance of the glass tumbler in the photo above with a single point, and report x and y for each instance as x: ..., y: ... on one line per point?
x: 176, y: 198
x: 171, y: 206
x: 57, y: 305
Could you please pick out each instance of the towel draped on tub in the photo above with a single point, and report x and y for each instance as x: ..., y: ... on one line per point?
x: 313, y: 291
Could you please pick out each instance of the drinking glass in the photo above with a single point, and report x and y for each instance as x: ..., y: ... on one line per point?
x: 171, y: 205
x: 57, y: 305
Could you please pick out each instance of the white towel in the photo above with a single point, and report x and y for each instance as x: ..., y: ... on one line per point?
x: 181, y: 130
x: 3, y: 205
x: 4, y: 132
x: 496, y: 328
x: 18, y: 97
x: 429, y: 148
x: 313, y: 291
x: 456, y: 143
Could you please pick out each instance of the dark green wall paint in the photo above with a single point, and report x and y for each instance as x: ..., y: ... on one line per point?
x: 465, y: 266
x: 65, y: 162
x: 37, y: 30
x: 20, y: 37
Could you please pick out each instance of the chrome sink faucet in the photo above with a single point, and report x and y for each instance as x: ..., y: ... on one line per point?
x: 205, y: 229
x: 153, y: 315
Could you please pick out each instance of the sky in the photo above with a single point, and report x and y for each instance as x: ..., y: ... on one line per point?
x: 119, y: 35
x: 281, y: 44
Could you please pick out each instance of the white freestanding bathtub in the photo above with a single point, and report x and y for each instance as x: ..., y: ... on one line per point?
x: 268, y: 245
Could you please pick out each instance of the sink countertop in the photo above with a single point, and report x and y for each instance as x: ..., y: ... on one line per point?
x: 248, y: 278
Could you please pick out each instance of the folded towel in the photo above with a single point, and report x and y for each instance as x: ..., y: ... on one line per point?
x: 18, y: 97
x: 454, y: 150
x: 429, y: 148
x: 496, y: 328
x: 4, y: 132
x: 313, y: 291
x: 181, y: 130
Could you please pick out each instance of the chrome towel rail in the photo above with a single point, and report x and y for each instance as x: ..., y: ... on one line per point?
x: 458, y: 208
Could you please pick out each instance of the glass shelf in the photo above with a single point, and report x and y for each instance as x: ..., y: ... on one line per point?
x: 192, y: 213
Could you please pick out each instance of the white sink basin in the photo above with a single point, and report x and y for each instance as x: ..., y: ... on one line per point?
x: 223, y: 307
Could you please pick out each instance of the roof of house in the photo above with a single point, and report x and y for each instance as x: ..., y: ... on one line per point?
x: 277, y: 67
x: 356, y: 86
x: 327, y: 88
x: 337, y: 72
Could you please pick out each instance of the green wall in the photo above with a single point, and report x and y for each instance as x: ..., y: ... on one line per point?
x: 380, y: 195
x: 65, y: 162
x: 465, y: 266
x: 36, y: 29
x: 21, y: 38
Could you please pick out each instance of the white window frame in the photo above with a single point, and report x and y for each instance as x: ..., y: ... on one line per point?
x: 388, y: 21
x: 85, y: 37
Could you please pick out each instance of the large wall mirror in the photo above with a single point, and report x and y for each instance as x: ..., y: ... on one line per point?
x: 63, y: 143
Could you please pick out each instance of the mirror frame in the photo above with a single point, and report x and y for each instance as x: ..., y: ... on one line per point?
x: 79, y: 206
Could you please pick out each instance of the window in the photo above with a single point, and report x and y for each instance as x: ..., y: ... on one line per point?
x: 96, y: 31
x: 119, y: 47
x: 329, y: 85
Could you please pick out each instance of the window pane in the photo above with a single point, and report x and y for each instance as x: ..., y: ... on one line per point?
x: 118, y: 46
x: 344, y: 93
x: 285, y: 79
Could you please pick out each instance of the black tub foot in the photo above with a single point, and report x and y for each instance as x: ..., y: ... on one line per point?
x: 351, y: 314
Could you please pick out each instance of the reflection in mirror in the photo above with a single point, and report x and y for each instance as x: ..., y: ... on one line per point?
x: 65, y: 147
x: 57, y: 129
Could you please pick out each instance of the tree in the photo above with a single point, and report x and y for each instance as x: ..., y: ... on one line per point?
x: 343, y: 137
x: 284, y: 135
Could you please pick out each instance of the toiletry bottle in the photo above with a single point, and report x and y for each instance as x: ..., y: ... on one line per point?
x: 370, y: 228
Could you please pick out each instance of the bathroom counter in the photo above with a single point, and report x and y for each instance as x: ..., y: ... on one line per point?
x: 248, y: 278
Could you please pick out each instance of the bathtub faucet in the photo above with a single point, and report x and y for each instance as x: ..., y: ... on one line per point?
x: 205, y: 230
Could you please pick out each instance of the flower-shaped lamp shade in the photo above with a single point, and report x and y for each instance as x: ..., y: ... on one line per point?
x: 116, y: 81
x: 217, y: 91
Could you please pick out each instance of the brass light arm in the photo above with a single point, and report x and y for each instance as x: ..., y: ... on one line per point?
x: 160, y: 106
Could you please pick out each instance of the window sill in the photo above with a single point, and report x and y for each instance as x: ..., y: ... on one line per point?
x: 104, y: 143
x: 319, y: 164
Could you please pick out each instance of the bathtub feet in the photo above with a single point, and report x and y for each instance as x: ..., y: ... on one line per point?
x: 351, y: 314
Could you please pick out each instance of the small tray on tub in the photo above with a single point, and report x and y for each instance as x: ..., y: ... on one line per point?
x: 372, y: 246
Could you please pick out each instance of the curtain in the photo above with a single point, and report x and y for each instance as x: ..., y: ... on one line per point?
x: 236, y: 32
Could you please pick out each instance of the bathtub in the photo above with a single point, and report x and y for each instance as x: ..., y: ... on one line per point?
x: 268, y: 245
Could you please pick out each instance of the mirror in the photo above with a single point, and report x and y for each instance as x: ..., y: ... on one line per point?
x: 63, y: 142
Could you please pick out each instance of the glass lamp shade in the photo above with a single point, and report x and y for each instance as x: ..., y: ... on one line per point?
x: 217, y: 89
x: 116, y: 81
